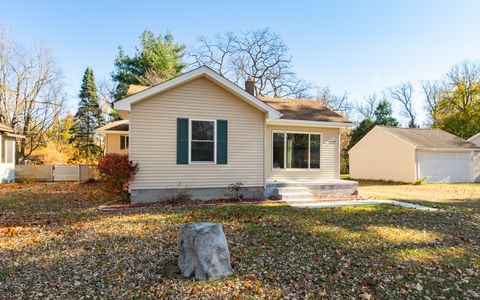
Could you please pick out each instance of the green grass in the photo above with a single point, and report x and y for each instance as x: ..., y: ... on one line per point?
x: 54, y: 242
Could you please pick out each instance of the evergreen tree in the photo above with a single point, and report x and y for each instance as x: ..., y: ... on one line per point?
x: 86, y: 120
x: 157, y: 59
x: 383, y: 116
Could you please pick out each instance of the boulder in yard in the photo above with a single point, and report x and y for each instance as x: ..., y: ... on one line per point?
x: 204, y: 251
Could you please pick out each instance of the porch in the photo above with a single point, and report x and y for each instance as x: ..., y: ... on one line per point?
x: 304, y: 189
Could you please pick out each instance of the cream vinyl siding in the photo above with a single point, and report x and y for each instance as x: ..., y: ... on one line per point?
x: 383, y: 156
x: 112, y: 143
x: 153, y: 138
x: 329, y: 164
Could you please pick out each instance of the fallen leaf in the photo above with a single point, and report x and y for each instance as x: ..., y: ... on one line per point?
x: 365, y: 296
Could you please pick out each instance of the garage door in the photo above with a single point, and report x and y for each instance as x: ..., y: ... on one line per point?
x: 445, y: 166
x: 476, y: 166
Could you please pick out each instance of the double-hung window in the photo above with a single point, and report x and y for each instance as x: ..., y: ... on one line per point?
x: 202, y: 141
x: 296, y: 150
x: 124, y: 142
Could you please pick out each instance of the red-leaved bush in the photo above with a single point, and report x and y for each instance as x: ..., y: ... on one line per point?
x: 116, y: 171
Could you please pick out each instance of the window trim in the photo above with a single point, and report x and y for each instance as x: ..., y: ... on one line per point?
x: 127, y: 141
x: 190, y: 162
x: 285, y: 132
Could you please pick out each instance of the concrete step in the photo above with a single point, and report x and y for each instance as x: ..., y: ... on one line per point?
x: 298, y: 201
x: 295, y: 196
x: 299, y: 189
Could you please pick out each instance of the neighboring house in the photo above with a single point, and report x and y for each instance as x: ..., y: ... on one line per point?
x: 199, y: 132
x: 115, y: 137
x: 475, y: 139
x: 410, y: 154
x: 7, y: 153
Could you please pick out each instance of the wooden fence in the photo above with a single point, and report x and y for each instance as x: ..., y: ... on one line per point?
x: 80, y: 173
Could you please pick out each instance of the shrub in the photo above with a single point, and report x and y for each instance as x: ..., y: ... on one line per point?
x: 235, y: 191
x: 116, y: 171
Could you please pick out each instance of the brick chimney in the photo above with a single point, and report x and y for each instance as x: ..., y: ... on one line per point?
x: 250, y: 86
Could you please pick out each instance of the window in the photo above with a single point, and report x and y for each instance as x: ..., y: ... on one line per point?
x: 202, y: 141
x: 124, y: 142
x: 296, y: 151
x: 278, y: 150
x: 9, y: 149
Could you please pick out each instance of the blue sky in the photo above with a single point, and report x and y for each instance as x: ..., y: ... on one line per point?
x: 356, y: 46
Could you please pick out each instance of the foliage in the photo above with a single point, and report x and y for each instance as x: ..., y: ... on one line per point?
x: 459, y: 103
x: 89, y: 116
x: 383, y: 115
x: 235, y: 191
x: 116, y: 171
x: 57, y: 150
x: 53, y: 240
x: 31, y: 92
x: 421, y: 180
x: 158, y: 59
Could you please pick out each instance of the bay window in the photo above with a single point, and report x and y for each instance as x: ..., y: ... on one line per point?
x: 296, y: 151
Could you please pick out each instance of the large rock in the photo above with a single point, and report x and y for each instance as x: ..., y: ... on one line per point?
x: 204, y: 251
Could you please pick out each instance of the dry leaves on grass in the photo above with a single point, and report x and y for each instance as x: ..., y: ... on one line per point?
x: 52, y: 246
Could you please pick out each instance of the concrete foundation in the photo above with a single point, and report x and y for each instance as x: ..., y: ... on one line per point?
x: 159, y: 195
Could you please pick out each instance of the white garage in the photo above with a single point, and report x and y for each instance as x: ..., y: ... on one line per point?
x: 411, y: 154
x: 445, y: 166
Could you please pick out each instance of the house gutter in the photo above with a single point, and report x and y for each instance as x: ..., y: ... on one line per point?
x: 306, y: 123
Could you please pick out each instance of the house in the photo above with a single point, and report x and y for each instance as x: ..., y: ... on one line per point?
x: 115, y: 137
x: 475, y: 139
x: 7, y: 153
x: 410, y: 154
x: 199, y: 132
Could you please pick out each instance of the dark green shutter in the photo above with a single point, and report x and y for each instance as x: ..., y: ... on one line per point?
x: 222, y: 142
x: 182, y: 141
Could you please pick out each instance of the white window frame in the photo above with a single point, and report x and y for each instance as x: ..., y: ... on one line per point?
x: 127, y: 143
x: 190, y: 142
x: 285, y: 151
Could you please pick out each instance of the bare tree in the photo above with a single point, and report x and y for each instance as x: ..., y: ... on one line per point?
x: 215, y: 53
x: 366, y: 109
x: 338, y: 103
x: 463, y: 84
x: 432, y: 92
x: 31, y: 92
x: 404, y: 95
x: 106, y: 92
x: 259, y: 55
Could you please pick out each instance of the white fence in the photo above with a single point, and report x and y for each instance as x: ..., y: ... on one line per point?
x: 80, y: 173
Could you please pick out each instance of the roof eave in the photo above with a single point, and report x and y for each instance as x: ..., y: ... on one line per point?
x: 309, y: 123
x: 447, y: 149
x: 474, y: 137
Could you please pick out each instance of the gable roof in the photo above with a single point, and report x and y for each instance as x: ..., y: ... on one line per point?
x: 125, y: 103
x: 430, y: 138
x: 5, y: 128
x: 120, y: 126
x: 133, y: 89
x: 304, y: 109
x: 474, y: 137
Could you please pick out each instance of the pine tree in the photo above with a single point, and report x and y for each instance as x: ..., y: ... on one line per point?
x: 87, y: 119
x: 158, y: 58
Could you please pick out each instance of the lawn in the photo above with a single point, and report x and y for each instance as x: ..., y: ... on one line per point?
x: 54, y: 243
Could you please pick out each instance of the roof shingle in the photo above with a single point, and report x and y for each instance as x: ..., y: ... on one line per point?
x: 304, y: 109
x: 430, y: 138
